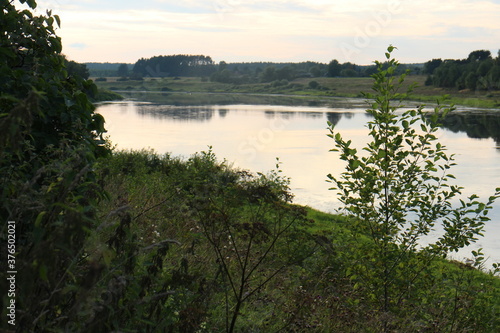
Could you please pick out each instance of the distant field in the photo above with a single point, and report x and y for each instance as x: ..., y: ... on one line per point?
x: 328, y: 87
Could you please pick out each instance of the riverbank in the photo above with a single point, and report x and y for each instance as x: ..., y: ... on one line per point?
x: 302, y: 88
x: 221, y: 244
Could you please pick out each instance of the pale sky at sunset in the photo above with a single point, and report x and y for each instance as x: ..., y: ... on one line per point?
x: 358, y: 31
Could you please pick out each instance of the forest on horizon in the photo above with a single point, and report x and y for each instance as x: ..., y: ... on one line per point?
x: 479, y: 71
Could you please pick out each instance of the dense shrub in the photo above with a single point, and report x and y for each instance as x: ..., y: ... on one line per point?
x: 49, y: 139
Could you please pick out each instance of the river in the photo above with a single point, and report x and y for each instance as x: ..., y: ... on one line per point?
x: 252, y: 136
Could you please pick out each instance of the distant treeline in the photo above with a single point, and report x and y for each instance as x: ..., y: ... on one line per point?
x: 236, y: 73
x: 282, y: 72
x: 107, y: 69
x: 478, y: 72
x: 175, y: 65
x: 254, y: 72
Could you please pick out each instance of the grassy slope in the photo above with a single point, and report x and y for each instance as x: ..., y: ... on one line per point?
x: 331, y: 87
x: 164, y: 197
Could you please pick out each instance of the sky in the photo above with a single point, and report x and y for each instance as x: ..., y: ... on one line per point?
x: 357, y: 31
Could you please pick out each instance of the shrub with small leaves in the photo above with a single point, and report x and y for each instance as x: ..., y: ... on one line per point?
x: 398, y: 190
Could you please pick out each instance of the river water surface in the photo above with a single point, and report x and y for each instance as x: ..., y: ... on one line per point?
x: 253, y: 136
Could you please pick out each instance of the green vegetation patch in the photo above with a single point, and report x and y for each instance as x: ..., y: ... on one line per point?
x: 324, y: 87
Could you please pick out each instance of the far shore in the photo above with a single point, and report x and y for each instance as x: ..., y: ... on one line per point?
x: 300, y: 88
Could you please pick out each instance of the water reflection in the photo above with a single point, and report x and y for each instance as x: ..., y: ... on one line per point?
x: 200, y: 99
x: 223, y: 112
x: 252, y: 136
x: 333, y: 117
x: 206, y: 113
x: 476, y: 125
x: 200, y: 114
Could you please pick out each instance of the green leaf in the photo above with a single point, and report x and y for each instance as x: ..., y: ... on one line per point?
x: 39, y: 218
x: 354, y: 164
x: 42, y: 271
x: 31, y: 3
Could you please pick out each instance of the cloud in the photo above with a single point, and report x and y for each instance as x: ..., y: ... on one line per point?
x: 79, y: 46
x: 211, y: 29
x: 282, y: 30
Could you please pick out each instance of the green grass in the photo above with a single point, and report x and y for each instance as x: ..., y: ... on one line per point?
x: 175, y: 199
x: 106, y: 95
x: 329, y: 87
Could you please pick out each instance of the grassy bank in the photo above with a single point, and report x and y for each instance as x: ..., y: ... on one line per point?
x: 202, y: 247
x: 106, y: 95
x: 327, y: 87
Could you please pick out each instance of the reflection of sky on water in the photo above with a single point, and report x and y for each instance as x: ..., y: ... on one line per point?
x: 252, y: 136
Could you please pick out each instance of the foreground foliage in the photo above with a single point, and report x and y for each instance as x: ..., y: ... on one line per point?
x: 398, y: 191
x: 186, y: 246
x: 49, y: 139
x: 197, y: 246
